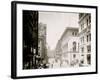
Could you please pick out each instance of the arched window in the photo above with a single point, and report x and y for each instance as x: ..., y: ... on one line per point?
x: 74, y: 46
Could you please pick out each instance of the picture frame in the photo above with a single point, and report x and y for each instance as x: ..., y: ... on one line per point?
x: 27, y: 57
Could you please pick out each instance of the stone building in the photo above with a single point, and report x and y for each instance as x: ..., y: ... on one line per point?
x: 30, y: 39
x: 68, y: 48
x: 42, y: 48
x: 85, y: 38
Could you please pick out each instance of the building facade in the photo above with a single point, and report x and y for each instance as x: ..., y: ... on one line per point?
x: 30, y: 39
x: 42, y: 48
x: 68, y: 48
x: 85, y: 38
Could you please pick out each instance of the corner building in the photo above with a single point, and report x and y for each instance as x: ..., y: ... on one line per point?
x: 68, y: 48
x: 85, y: 39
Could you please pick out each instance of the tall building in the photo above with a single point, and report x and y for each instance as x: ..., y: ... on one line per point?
x: 58, y: 50
x: 30, y: 38
x: 42, y: 48
x: 85, y: 38
x: 68, y: 47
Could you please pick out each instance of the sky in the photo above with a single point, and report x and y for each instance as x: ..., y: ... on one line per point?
x: 56, y: 24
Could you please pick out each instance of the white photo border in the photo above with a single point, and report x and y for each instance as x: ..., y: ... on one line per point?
x: 17, y: 8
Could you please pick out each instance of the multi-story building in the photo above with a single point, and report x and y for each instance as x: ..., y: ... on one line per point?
x: 85, y: 38
x: 68, y: 47
x: 42, y: 49
x: 58, y: 50
x: 30, y: 38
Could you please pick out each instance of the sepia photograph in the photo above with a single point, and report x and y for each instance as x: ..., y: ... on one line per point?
x: 53, y: 40
x: 56, y: 39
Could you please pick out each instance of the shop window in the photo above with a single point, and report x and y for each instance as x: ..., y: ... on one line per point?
x: 82, y: 61
x: 88, y: 58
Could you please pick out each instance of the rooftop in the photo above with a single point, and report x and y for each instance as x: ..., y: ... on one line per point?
x: 67, y: 29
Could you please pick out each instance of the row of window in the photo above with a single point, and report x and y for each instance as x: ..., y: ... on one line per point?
x: 88, y: 49
x: 75, y: 46
x: 88, y: 21
x: 74, y: 33
x: 88, y: 57
x: 88, y: 38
